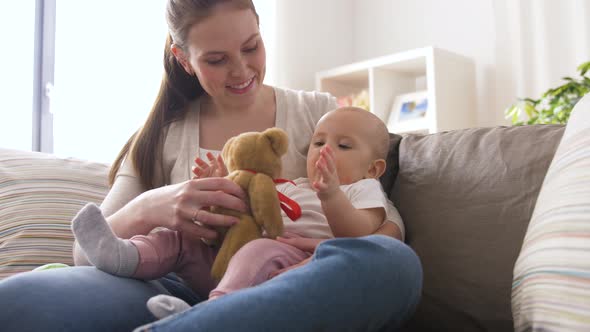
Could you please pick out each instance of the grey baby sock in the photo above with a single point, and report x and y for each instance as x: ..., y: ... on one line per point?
x: 102, y: 247
x: 163, y: 306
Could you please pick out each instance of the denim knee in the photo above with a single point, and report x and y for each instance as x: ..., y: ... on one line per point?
x: 384, y: 261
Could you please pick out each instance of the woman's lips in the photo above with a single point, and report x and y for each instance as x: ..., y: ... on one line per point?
x: 243, y: 87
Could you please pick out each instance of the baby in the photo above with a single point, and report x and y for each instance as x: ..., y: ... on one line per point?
x: 341, y: 197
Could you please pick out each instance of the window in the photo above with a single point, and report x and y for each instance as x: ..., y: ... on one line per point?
x: 17, y: 33
x: 108, y: 66
x: 102, y: 68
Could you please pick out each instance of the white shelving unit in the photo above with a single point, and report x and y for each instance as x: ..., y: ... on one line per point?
x: 448, y: 78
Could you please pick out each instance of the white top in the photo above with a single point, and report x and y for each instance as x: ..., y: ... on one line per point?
x: 363, y: 194
x: 297, y: 112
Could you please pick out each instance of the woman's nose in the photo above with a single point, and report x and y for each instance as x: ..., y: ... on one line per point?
x: 238, y: 68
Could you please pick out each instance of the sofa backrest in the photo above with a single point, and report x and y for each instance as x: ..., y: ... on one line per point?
x: 466, y: 198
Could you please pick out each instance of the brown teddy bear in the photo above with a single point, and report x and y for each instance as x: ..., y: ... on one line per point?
x: 253, y: 160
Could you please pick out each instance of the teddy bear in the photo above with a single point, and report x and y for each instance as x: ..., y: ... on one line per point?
x: 253, y: 161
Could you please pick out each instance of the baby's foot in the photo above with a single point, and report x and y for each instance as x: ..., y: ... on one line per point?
x: 163, y: 306
x: 102, y: 247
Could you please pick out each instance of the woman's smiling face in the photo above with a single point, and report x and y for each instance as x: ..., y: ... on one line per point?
x: 227, y: 54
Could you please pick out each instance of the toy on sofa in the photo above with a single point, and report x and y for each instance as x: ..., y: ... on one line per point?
x: 253, y: 160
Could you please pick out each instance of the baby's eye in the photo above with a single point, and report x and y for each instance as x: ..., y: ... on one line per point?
x: 344, y: 146
x: 318, y: 143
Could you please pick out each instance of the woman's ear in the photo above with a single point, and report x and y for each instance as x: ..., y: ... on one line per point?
x: 182, y: 58
x: 376, y: 169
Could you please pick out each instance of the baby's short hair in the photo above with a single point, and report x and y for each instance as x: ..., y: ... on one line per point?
x: 379, y: 131
x: 381, y: 139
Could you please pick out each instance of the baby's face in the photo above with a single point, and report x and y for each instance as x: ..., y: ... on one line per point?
x: 348, y: 134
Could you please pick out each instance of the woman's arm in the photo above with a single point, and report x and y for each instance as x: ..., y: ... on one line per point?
x: 176, y: 207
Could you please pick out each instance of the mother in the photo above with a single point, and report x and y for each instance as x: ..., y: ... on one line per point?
x: 212, y: 90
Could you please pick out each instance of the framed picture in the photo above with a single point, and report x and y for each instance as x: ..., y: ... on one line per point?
x: 408, y: 108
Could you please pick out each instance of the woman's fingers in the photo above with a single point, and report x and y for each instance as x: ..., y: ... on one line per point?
x: 210, y: 185
x: 219, y: 198
x: 207, y: 218
x: 197, y: 231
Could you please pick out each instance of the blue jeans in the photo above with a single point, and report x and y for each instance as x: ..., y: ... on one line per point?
x: 363, y: 284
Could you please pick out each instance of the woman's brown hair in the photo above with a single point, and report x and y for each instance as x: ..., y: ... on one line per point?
x: 177, y: 89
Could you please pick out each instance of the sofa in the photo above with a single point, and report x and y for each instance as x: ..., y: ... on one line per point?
x: 466, y: 197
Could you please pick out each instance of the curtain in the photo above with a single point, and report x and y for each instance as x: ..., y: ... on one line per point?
x: 537, y: 43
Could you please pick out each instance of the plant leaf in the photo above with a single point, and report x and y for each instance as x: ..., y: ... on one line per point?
x: 583, y: 68
x: 555, y: 104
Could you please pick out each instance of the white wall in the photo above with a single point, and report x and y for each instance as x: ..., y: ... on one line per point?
x: 520, y: 47
x: 462, y: 26
x: 311, y: 35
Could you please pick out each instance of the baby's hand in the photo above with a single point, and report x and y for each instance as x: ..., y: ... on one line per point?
x: 327, y: 181
x: 215, y: 167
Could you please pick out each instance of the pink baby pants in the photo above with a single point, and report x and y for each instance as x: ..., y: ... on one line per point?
x: 254, y: 263
x: 169, y: 251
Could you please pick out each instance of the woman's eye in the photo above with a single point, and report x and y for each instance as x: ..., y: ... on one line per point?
x: 251, y: 49
x: 215, y: 61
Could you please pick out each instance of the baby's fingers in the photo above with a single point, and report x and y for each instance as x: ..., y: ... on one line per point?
x: 201, y: 163
x: 197, y: 171
x: 328, y: 155
x: 320, y: 184
x: 322, y: 166
x: 222, y: 168
x: 212, y: 159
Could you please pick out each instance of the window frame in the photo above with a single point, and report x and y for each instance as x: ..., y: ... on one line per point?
x: 43, y: 74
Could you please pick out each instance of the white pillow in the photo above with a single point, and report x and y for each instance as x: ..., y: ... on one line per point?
x: 551, y: 282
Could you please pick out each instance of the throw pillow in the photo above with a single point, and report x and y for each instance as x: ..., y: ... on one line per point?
x: 466, y: 197
x: 551, y: 285
x: 39, y: 195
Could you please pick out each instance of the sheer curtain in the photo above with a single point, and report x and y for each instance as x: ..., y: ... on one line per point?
x: 537, y: 43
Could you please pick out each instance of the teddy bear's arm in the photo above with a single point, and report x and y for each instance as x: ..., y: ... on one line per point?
x: 265, y: 205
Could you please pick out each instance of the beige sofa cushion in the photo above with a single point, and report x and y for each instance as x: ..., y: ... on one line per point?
x: 466, y: 198
x: 551, y: 289
x: 39, y: 195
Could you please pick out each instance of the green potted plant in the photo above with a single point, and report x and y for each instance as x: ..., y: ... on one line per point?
x: 555, y: 105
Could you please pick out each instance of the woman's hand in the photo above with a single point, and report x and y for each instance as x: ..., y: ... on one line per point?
x: 185, y: 206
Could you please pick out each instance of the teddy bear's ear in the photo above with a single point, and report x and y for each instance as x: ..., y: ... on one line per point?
x: 279, y: 141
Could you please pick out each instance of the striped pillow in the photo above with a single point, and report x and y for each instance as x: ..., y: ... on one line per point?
x: 39, y: 195
x: 551, y: 284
